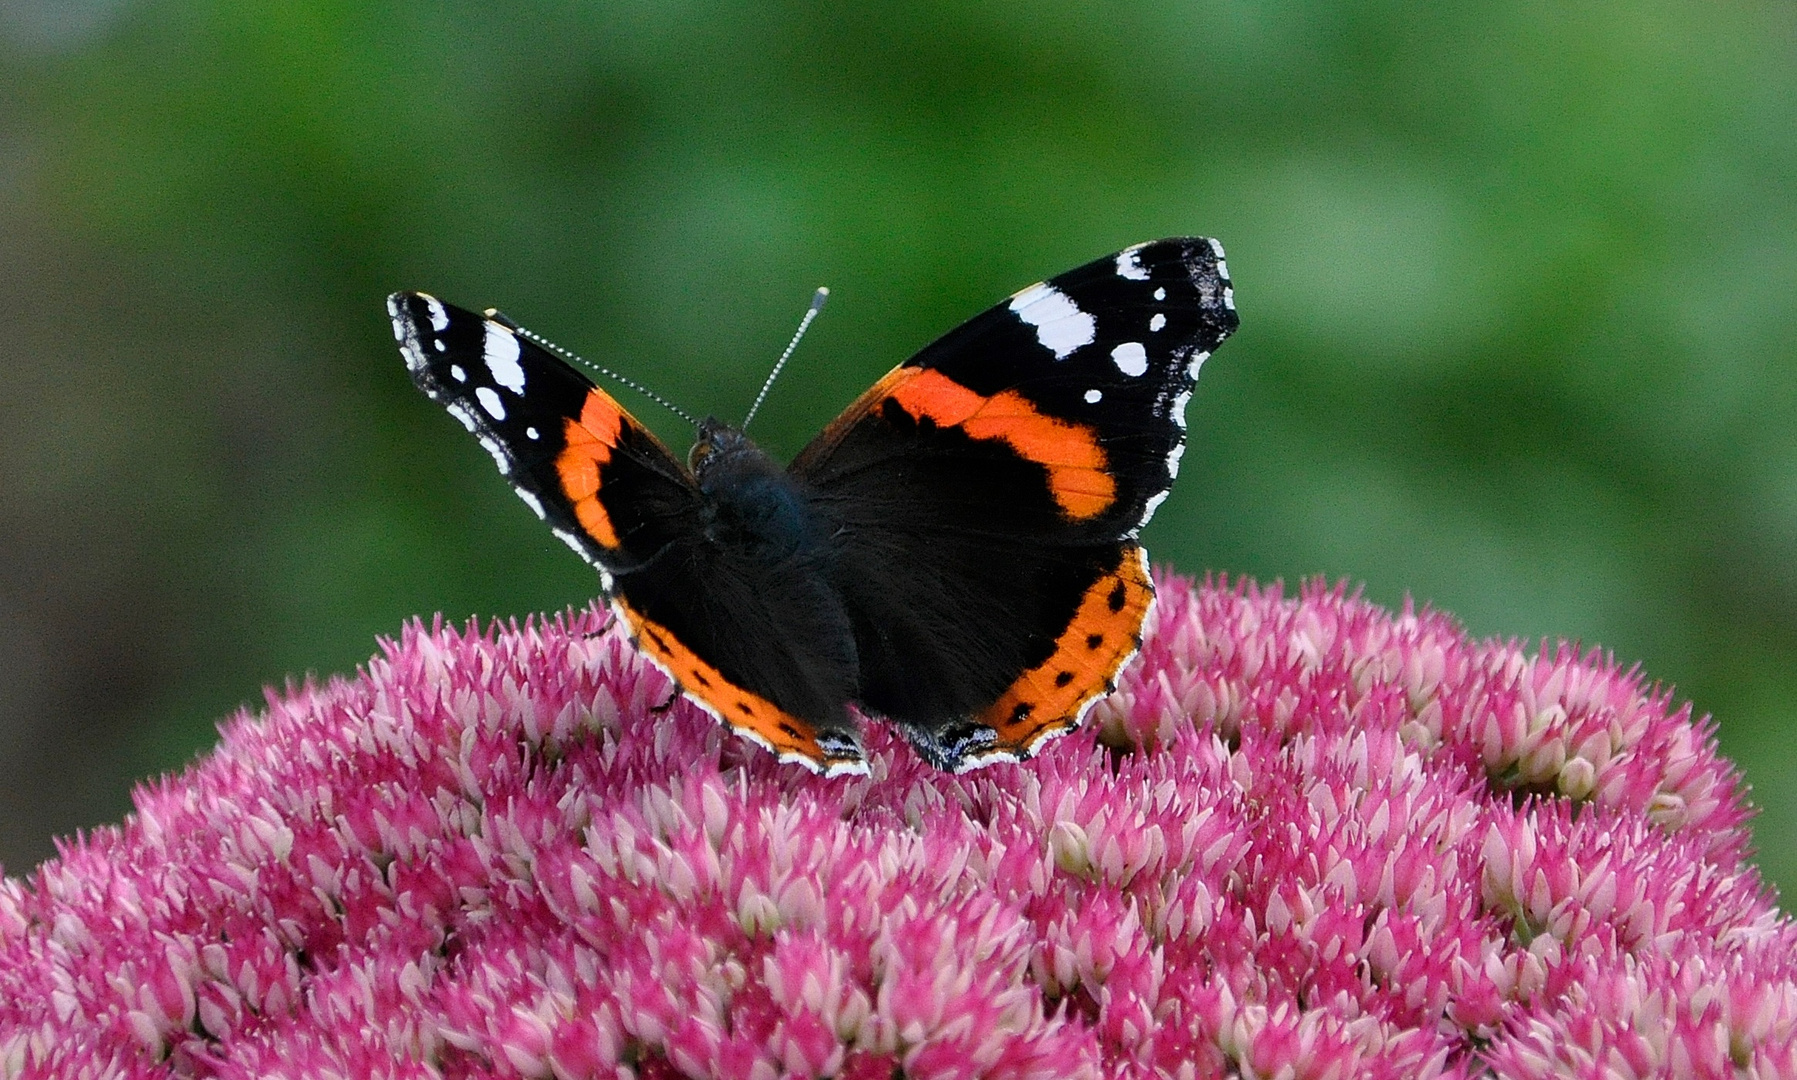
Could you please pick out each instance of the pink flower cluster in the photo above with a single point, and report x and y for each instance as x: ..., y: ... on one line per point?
x: 1305, y: 838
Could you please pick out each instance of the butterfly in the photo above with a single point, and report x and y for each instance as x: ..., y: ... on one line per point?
x: 956, y: 553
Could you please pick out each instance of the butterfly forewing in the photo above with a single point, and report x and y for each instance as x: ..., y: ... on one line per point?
x: 1113, y: 346
x: 552, y: 433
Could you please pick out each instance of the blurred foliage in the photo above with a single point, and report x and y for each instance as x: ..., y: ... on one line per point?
x: 1516, y: 285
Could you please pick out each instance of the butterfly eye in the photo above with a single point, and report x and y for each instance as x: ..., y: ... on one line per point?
x: 714, y: 437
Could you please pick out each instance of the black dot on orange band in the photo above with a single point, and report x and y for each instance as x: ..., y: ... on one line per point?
x: 1093, y: 641
x: 1022, y: 712
x: 1119, y: 595
x: 790, y: 731
x: 699, y: 677
x: 1063, y: 678
x: 745, y: 708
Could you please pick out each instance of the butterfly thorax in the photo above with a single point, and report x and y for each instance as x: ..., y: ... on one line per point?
x: 751, y: 505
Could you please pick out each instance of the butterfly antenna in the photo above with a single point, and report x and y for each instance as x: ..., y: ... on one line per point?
x: 817, y: 305
x: 497, y: 316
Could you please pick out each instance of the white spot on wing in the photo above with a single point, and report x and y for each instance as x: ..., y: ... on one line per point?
x: 489, y: 400
x: 1129, y: 265
x: 572, y: 541
x: 786, y: 757
x: 1179, y: 409
x: 1154, y: 503
x: 1093, y: 397
x: 1198, y: 359
x: 1217, y: 247
x: 1160, y: 294
x: 996, y: 757
x: 1179, y: 451
x: 405, y: 331
x: 456, y: 372
x: 439, y: 313
x: 501, y: 354
x: 531, y: 433
x: 463, y: 413
x: 531, y: 501
x: 437, y: 343
x: 1060, y: 325
x: 1130, y: 358
x: 1157, y: 322
x: 500, y: 457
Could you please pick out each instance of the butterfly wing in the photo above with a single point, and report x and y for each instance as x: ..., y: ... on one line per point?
x: 602, y: 481
x: 986, y: 496
x: 616, y: 495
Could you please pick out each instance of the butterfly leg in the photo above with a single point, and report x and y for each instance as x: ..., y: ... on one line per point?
x: 604, y: 627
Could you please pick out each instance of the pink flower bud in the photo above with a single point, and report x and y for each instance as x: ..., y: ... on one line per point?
x: 1304, y: 838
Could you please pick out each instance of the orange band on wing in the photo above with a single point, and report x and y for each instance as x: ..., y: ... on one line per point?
x: 1104, y: 634
x: 1070, y: 452
x: 589, y: 441
x: 748, y: 713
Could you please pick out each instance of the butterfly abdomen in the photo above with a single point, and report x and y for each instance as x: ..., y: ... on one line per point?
x: 764, y: 550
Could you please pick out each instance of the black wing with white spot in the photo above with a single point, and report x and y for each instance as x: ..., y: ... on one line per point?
x: 1115, y: 344
x: 607, y: 486
x: 1109, y: 351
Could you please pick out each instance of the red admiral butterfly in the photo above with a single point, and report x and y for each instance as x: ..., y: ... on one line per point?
x: 955, y: 553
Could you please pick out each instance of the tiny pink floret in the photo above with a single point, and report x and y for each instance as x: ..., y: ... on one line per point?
x: 1305, y: 838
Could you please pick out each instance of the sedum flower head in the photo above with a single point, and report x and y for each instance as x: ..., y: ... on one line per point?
x: 1305, y: 838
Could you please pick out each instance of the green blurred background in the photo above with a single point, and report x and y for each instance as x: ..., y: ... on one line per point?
x: 1516, y: 284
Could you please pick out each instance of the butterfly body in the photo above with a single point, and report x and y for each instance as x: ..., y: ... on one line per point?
x: 765, y: 553
x: 955, y: 553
